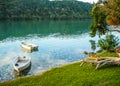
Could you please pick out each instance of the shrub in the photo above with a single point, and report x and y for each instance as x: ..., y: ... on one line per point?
x: 109, y: 43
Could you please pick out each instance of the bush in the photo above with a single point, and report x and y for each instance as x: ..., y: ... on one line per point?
x: 109, y: 43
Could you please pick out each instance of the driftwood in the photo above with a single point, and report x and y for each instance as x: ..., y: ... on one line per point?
x: 99, y: 61
x: 117, y: 50
x: 91, y: 55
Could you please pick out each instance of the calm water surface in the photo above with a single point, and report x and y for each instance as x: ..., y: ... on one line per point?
x: 60, y: 42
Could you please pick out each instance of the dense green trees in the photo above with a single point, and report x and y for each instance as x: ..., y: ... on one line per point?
x: 43, y: 9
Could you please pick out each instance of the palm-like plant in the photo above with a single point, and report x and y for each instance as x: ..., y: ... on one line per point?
x: 109, y: 43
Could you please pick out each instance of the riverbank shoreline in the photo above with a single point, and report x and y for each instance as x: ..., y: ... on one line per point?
x: 71, y: 74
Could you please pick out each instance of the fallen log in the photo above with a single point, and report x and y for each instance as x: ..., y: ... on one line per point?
x: 99, y: 61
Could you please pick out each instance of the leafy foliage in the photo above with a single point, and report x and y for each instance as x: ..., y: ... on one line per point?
x: 112, y: 7
x: 43, y: 9
x: 99, y: 24
x: 109, y: 43
x: 105, y: 12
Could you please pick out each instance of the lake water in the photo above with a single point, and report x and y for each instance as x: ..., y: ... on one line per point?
x: 60, y: 42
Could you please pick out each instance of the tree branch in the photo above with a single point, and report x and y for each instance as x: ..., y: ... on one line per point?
x: 115, y: 30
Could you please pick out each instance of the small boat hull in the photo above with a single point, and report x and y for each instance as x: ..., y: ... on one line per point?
x: 29, y: 46
x: 21, y: 63
x: 23, y: 72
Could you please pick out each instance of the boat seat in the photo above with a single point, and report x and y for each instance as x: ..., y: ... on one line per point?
x: 16, y: 64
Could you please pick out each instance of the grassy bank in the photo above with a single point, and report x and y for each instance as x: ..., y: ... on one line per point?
x: 107, y: 54
x: 71, y: 75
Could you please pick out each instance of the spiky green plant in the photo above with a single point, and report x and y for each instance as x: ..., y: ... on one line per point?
x: 109, y: 43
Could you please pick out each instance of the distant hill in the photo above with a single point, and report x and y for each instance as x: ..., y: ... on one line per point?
x: 44, y: 9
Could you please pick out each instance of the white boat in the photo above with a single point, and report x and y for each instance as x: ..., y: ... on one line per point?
x: 21, y: 63
x: 29, y: 46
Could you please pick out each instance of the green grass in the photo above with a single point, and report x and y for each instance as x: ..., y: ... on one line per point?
x: 72, y: 75
x: 107, y: 54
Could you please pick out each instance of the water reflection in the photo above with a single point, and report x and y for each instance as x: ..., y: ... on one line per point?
x: 6, y: 72
x: 93, y: 44
x: 60, y: 42
x: 42, y: 28
x: 52, y: 52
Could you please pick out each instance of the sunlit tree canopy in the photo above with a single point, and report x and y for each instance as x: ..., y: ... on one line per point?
x: 104, y: 13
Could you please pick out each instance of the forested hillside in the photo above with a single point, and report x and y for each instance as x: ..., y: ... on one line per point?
x: 43, y: 9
